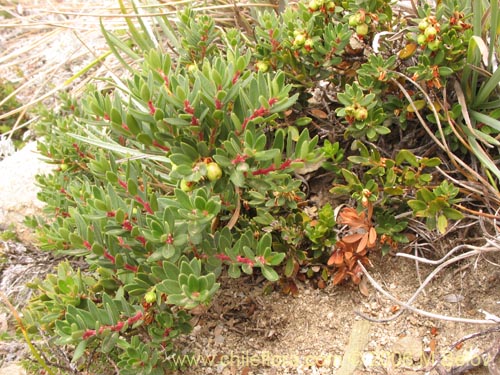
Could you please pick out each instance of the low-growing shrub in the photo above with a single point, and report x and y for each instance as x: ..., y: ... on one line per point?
x: 198, y: 163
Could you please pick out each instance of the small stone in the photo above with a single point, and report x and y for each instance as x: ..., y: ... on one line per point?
x: 408, y: 347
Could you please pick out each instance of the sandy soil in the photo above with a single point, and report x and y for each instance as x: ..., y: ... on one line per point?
x: 251, y: 331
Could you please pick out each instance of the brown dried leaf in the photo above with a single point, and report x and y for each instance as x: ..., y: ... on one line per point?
x: 318, y: 113
x: 336, y: 259
x: 362, y: 243
x: 339, y: 276
x: 372, y: 237
x: 363, y: 287
x: 352, y: 238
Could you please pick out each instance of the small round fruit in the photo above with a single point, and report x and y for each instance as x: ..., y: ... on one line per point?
x: 421, y: 39
x: 299, y: 40
x: 213, y: 171
x: 353, y: 20
x: 434, y: 44
x: 362, y: 29
x: 422, y: 25
x: 430, y: 32
x: 64, y: 167
x: 262, y: 66
x: 308, y: 44
x: 330, y: 6
x: 314, y: 5
x: 361, y: 114
x: 186, y: 186
x: 150, y: 297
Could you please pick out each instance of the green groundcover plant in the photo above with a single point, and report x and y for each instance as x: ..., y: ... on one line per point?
x: 197, y: 163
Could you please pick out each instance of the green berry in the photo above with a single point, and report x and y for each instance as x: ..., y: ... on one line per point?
x: 330, y: 6
x: 64, y: 167
x: 430, y: 32
x: 213, y: 171
x: 361, y: 114
x: 424, y: 24
x: 362, y: 29
x: 186, y: 186
x: 308, y: 44
x: 314, y: 5
x: 150, y: 297
x: 421, y: 39
x: 262, y: 66
x: 434, y: 44
x: 299, y: 40
x: 353, y: 20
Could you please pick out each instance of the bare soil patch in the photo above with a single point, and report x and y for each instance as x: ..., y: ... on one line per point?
x: 248, y: 330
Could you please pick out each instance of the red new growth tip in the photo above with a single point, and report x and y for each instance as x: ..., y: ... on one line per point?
x: 239, y: 159
x: 127, y: 225
x: 129, y: 267
x: 236, y: 77
x: 223, y: 257
x: 151, y: 107
x: 88, y: 334
x: 188, y: 108
x: 135, y: 318
x: 87, y: 245
x: 110, y: 257
x: 272, y: 101
x: 141, y: 239
x: 117, y: 327
x: 244, y: 260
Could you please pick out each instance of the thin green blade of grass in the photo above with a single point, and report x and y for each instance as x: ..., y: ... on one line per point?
x: 116, y: 148
x: 169, y: 32
x: 485, y: 119
x: 136, y: 35
x: 114, y: 44
x: 153, y: 41
x: 87, y: 68
x: 494, y: 24
x: 484, y: 158
x: 470, y: 75
x: 487, y: 88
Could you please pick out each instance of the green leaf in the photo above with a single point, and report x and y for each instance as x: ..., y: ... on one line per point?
x: 270, y: 274
x: 442, y: 224
x: 452, y: 214
x: 79, y: 350
x: 417, y: 205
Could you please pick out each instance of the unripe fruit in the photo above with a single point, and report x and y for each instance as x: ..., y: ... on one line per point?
x: 299, y: 40
x: 213, y: 171
x: 314, y: 5
x: 262, y: 66
x: 424, y: 24
x: 430, y: 32
x: 308, y: 44
x: 353, y: 20
x: 361, y: 114
x: 64, y: 167
x: 150, y: 297
x: 421, y: 39
x: 362, y: 29
x: 186, y: 186
x: 330, y: 6
x: 434, y: 45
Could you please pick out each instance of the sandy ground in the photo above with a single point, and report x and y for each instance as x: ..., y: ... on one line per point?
x: 247, y: 331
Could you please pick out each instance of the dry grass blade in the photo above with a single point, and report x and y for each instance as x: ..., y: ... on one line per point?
x: 491, y: 246
x: 461, y: 165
